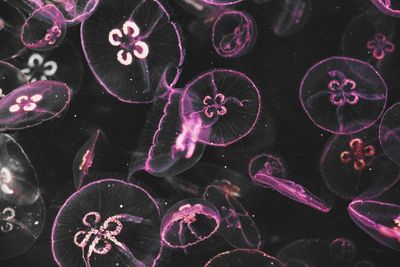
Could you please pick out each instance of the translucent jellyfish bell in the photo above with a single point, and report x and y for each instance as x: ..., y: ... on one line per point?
x: 389, y: 133
x: 32, y: 104
x: 20, y: 226
x: 356, y: 166
x: 168, y: 145
x: 343, y: 95
x: 233, y: 34
x: 378, y: 219
x: 292, y: 17
x: 107, y: 223
x: 129, y: 44
x: 18, y: 180
x: 45, y: 29
x: 188, y: 223
x: 222, y: 2
x: 227, y: 103
x: 388, y: 7
x: 237, y: 226
x: 243, y: 258
x: 343, y: 249
x: 74, y: 11
x: 11, y: 78
x: 266, y: 170
x: 11, y: 21
x: 63, y: 64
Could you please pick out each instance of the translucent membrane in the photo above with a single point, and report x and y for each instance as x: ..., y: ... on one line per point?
x: 11, y: 21
x: 371, y: 38
x: 63, y: 64
x: 33, y: 103
x: 225, y: 101
x: 292, y: 17
x: 343, y: 95
x: 198, y: 8
x: 343, y: 249
x: 310, y: 252
x: 188, y: 223
x: 269, y: 171
x: 244, y: 258
x: 20, y: 225
x: 378, y: 219
x: 74, y: 11
x: 129, y: 44
x: 222, y: 2
x: 389, y: 7
x: 389, y: 133
x: 107, y: 223
x: 11, y: 78
x: 236, y: 227
x: 18, y: 180
x: 233, y: 34
x: 168, y: 145
x: 45, y: 29
x: 356, y: 166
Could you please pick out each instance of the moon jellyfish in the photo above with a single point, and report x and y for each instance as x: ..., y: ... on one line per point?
x: 243, y: 258
x: 188, y: 223
x: 20, y: 226
x: 11, y: 21
x: 62, y: 64
x: 74, y: 11
x: 222, y: 2
x: 129, y: 44
x: 11, y: 78
x: 32, y: 104
x: 44, y: 29
x: 309, y: 252
x: 370, y: 38
x: 343, y: 95
x: 233, y: 34
x: 268, y: 166
x: 389, y: 133
x: 380, y: 220
x: 343, y: 249
x: 293, y: 16
x: 236, y: 226
x: 18, y: 180
x: 356, y: 166
x: 227, y: 103
x: 389, y: 7
x: 169, y: 146
x: 107, y: 223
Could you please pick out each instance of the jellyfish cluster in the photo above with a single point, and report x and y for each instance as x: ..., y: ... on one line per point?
x: 215, y: 133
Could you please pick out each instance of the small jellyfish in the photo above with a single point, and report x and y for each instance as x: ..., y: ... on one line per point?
x: 343, y: 95
x: 389, y: 133
x: 189, y: 222
x: 32, y: 104
x: 343, y: 249
x: 265, y: 177
x: 227, y: 115
x: 378, y: 219
x: 62, y: 64
x: 292, y: 17
x: 236, y: 226
x: 107, y: 223
x: 74, y: 11
x: 44, y: 30
x: 222, y: 2
x: 244, y: 258
x: 356, y: 166
x: 20, y: 226
x: 168, y: 146
x: 18, y: 180
x: 11, y: 21
x: 11, y: 78
x: 389, y: 7
x: 370, y: 38
x: 233, y: 34
x: 129, y: 44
